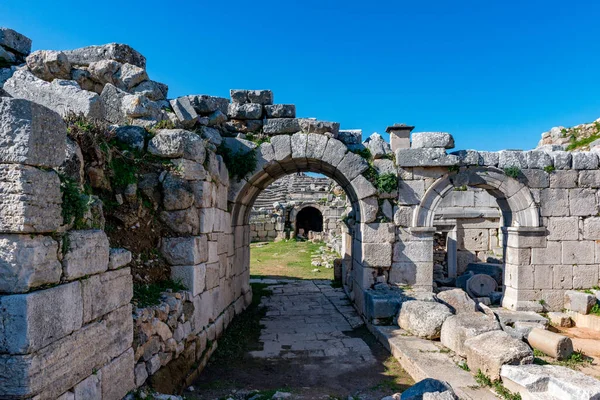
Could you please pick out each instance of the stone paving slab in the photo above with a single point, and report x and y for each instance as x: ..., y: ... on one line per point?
x: 310, y: 319
x: 422, y: 359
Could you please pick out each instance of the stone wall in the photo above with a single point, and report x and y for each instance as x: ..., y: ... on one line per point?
x: 66, y: 326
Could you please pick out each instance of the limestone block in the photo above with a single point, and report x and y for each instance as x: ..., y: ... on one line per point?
x: 489, y: 351
x: 512, y: 158
x: 27, y: 262
x: 61, y: 96
x: 153, y: 90
x: 549, y: 382
x: 281, y: 126
x: 403, y: 216
x: 87, y: 253
x: 552, y: 254
x: 49, y: 65
x: 377, y: 233
x: 589, y: 179
x: 473, y: 239
x: 177, y: 143
x: 280, y: 111
x: 26, y: 129
x: 193, y: 277
x: 536, y: 178
x: 564, y: 228
x: 562, y: 277
x: 579, y: 302
x: 585, y: 160
x: 141, y: 374
x: 550, y: 343
x: 205, y: 104
x: 457, y: 300
x: 34, y: 320
x: 410, y: 192
x: 543, y: 277
x: 441, y: 140
x: 183, y: 222
x: 577, y: 252
x: 554, y: 202
x: 538, y: 159
x: 584, y: 276
x: 583, y: 202
x: 458, y: 328
x: 431, y: 157
x: 90, y: 388
x: 31, y: 199
x: 118, y: 377
x: 563, y: 179
x: 415, y: 251
x: 15, y: 41
x: 362, y: 187
x: 106, y: 292
x: 489, y: 158
x: 352, y: 165
x: 423, y: 318
x: 118, y: 258
x: 112, y: 51
x: 185, y: 250
x: 309, y: 125
x: 560, y: 319
x: 377, y: 254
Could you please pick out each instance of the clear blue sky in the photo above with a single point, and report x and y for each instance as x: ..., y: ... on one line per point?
x: 495, y: 74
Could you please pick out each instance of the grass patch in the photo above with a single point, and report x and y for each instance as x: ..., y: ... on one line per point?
x: 463, y: 365
x: 579, y: 143
x: 497, y: 385
x: 513, y: 172
x: 387, y: 183
x: 394, y: 380
x: 146, y: 295
x: 74, y: 202
x: 595, y: 310
x: 286, y: 258
x: 363, y: 152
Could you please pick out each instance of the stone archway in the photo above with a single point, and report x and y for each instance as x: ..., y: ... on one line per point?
x: 521, y: 216
x: 319, y: 153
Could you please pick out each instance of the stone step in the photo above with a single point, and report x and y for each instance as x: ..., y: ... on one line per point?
x: 422, y: 359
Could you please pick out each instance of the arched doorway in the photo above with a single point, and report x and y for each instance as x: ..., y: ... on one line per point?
x: 309, y: 219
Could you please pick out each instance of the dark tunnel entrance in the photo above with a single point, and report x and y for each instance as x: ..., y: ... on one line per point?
x: 309, y: 219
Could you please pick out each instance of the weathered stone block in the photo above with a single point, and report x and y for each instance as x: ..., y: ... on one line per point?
x: 118, y: 258
x: 584, y: 276
x: 562, y: 277
x: 309, y: 125
x: 577, y: 252
x: 177, y: 143
x: 281, y: 111
x: 441, y: 140
x: 362, y: 187
x: 87, y: 253
x: 551, y: 254
x: 512, y: 158
x: 26, y: 129
x: 90, y: 388
x: 377, y: 254
x: 185, y: 112
x: 583, y: 202
x: 34, y: 320
x: 432, y: 157
x: 112, y: 51
x: 554, y: 202
x: 189, y: 250
x: 457, y: 300
x: 184, y: 222
x: 193, y: 277
x: 564, y: 228
x: 563, y: 179
x: 244, y: 111
x: 15, y: 41
x: 61, y: 365
x: 550, y: 343
x: 352, y: 165
x: 423, y: 318
x: 377, y: 233
x: 61, y: 96
x: 579, y: 302
x: 118, y: 377
x: 458, y: 328
x: 31, y: 199
x: 489, y: 351
x: 410, y: 192
x: 589, y: 179
x: 585, y: 160
x: 27, y: 262
x: 106, y: 292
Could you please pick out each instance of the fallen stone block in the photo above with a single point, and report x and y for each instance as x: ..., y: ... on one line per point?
x: 27, y: 262
x: 15, y: 41
x: 31, y: 200
x: 204, y: 104
x: 129, y: 76
x: 429, y: 386
x: 489, y: 351
x: 87, y: 253
x: 244, y: 111
x: 560, y: 319
x: 112, y: 51
x: 423, y: 318
x: 35, y: 320
x: 132, y: 136
x: 579, y: 302
x: 550, y: 382
x: 550, y: 343
x: 49, y: 65
x: 440, y: 140
x: 26, y: 130
x: 458, y: 328
x: 377, y: 146
x: 185, y: 111
x: 153, y: 90
x: 457, y: 300
x: 63, y: 96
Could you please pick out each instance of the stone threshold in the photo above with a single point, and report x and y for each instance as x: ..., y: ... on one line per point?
x: 422, y: 359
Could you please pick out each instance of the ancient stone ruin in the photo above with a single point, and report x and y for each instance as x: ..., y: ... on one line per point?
x: 97, y: 163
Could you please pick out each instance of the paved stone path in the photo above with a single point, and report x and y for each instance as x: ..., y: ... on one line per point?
x: 310, y: 319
